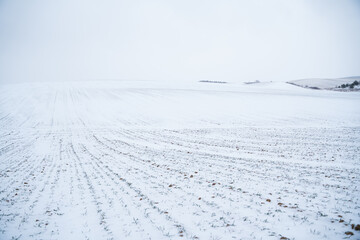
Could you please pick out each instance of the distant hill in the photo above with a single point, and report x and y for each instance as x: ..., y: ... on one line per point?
x: 324, y: 83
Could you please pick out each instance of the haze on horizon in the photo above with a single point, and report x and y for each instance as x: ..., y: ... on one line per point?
x: 178, y: 40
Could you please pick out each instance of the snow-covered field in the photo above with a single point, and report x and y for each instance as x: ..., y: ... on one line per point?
x: 154, y: 160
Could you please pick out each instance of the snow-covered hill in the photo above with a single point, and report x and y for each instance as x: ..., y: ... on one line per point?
x: 324, y: 83
x: 157, y: 160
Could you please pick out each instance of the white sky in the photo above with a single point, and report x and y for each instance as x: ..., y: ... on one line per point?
x: 178, y: 40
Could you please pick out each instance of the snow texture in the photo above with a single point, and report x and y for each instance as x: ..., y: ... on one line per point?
x: 157, y: 160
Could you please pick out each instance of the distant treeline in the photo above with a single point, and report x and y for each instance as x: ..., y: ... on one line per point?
x: 352, y: 85
x: 208, y: 81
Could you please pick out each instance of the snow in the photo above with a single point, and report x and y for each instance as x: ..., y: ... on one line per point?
x: 165, y: 160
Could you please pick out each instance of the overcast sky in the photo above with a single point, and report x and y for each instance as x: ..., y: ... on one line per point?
x: 178, y: 40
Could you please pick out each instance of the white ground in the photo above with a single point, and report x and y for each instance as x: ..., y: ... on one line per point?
x: 152, y: 160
